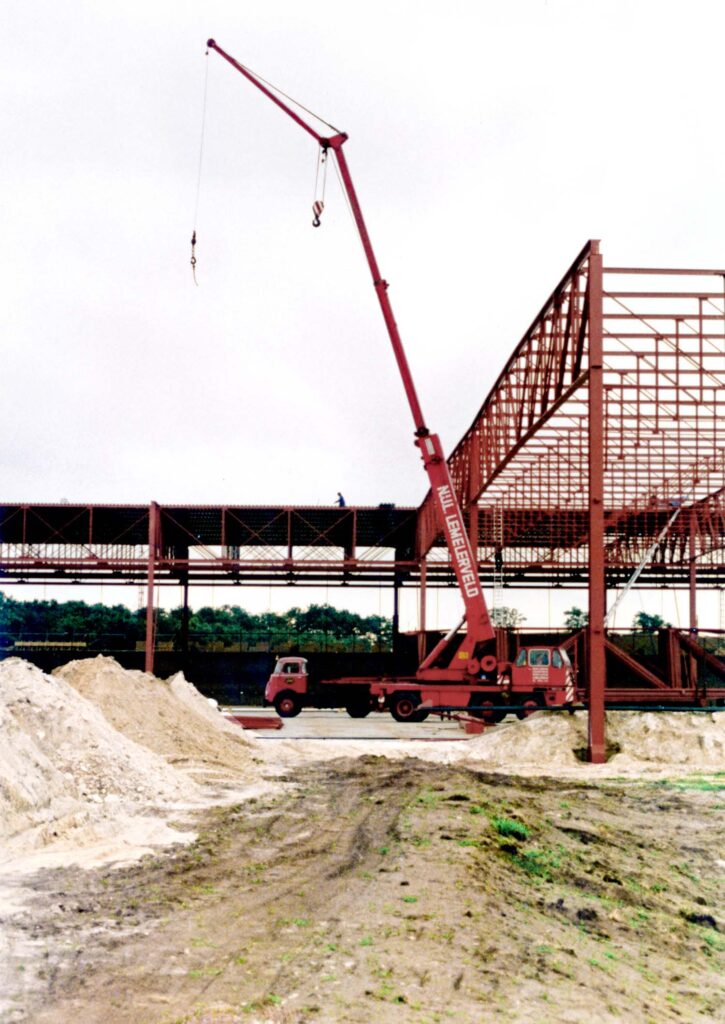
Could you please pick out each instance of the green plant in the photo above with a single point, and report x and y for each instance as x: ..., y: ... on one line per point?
x: 510, y: 829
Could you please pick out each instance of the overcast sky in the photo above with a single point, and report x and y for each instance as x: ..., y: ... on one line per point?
x: 488, y: 142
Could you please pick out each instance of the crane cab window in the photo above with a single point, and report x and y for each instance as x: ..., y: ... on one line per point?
x: 556, y: 659
x: 521, y: 659
x: 538, y: 657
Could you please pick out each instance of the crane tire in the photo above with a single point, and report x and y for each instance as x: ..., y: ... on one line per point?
x: 404, y: 707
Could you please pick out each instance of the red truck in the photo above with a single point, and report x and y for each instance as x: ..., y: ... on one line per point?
x: 540, y: 676
x: 462, y: 670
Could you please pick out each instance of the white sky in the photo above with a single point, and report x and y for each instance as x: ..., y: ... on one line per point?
x: 488, y: 142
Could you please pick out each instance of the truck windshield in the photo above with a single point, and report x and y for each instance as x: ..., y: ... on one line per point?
x: 286, y: 667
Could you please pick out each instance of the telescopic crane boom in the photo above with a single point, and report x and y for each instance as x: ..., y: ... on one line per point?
x: 479, y: 629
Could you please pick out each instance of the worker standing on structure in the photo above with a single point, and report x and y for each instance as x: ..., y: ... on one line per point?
x: 340, y: 500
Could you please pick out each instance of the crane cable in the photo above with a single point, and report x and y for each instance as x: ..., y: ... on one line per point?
x: 318, y: 204
x: 198, y: 176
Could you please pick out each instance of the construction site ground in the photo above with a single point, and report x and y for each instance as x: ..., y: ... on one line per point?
x: 371, y: 871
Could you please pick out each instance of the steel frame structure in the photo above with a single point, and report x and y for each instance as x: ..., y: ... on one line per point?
x: 606, y: 419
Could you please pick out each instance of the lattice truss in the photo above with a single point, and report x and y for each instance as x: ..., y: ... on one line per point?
x: 524, y: 462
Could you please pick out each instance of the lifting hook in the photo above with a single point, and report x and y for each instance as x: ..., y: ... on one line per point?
x: 193, y: 257
x: 317, y: 207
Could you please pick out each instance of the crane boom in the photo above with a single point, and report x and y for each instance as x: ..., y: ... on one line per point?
x: 479, y: 628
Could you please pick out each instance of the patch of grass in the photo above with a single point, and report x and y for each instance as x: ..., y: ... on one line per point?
x: 701, y: 783
x: 410, y: 899
x: 537, y: 863
x: 686, y: 872
x: 205, y: 972
x: 366, y: 941
x: 510, y: 829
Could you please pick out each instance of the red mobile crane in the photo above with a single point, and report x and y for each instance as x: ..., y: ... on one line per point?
x: 449, y: 674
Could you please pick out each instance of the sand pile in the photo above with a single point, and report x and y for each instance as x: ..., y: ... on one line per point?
x: 650, y: 739
x: 695, y: 739
x: 62, y: 765
x: 542, y: 740
x: 170, y: 718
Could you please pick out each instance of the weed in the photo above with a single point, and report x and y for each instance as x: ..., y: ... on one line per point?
x: 367, y: 941
x: 537, y: 863
x: 508, y: 828
x: 205, y: 972
x: 410, y: 899
x: 686, y: 872
x: 593, y: 962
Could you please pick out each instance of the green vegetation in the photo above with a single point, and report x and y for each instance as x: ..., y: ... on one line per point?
x: 575, y: 618
x: 507, y: 618
x: 510, y: 829
x: 115, y: 627
x: 649, y: 623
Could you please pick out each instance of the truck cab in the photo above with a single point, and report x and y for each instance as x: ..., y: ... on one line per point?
x: 287, y: 686
x: 545, y: 670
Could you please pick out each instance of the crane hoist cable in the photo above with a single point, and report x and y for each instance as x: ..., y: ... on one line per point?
x: 318, y: 203
x: 198, y: 175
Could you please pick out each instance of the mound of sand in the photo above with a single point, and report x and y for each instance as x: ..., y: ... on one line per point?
x: 542, y: 740
x: 172, y: 719
x: 62, y: 765
x: 652, y: 739
x: 694, y: 739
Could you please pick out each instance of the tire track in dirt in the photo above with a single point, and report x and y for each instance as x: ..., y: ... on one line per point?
x: 371, y: 890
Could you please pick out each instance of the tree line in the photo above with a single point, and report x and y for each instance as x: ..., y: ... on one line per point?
x: 318, y: 626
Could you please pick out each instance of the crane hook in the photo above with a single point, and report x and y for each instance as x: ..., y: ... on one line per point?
x: 317, y: 207
x: 193, y: 258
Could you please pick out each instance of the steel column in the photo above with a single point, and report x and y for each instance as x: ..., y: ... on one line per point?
x: 597, y: 582
x: 422, y: 611
x: 150, y: 617
x: 693, y: 589
x: 693, y: 570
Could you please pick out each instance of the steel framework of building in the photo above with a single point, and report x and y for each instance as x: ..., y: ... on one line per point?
x: 600, y: 449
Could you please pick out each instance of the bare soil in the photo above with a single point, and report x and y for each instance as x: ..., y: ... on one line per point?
x: 378, y: 890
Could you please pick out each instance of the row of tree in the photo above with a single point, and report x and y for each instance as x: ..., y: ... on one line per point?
x: 229, y: 626
x: 575, y: 618
x: 225, y: 627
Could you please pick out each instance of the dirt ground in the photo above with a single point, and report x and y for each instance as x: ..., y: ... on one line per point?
x: 373, y: 890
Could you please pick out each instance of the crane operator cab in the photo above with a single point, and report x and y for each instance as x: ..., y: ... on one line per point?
x: 287, y: 686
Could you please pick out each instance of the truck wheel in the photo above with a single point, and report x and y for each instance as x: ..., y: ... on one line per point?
x: 404, y: 708
x: 361, y: 709
x: 287, y: 704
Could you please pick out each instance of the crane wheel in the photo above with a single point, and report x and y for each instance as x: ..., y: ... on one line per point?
x: 488, y: 711
x: 404, y: 708
x: 528, y: 706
